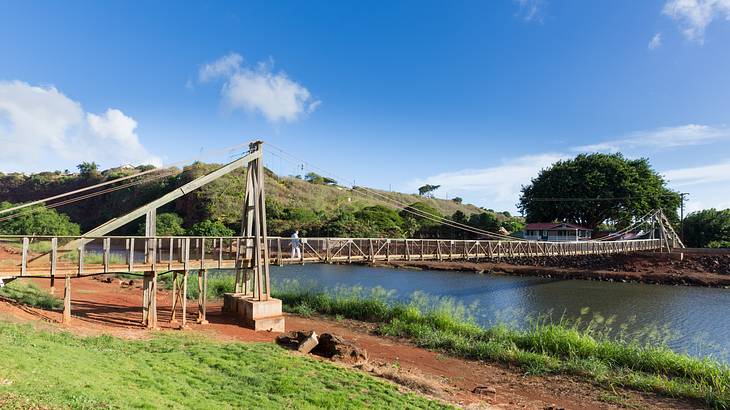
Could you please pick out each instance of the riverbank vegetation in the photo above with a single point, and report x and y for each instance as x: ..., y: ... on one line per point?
x: 587, y: 349
x: 175, y: 371
x: 708, y: 228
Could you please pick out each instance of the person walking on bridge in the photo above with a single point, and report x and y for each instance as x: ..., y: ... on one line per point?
x: 296, y: 243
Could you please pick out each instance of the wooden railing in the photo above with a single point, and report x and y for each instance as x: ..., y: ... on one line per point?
x: 44, y: 256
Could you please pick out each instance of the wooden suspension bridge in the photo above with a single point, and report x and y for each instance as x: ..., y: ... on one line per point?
x: 250, y: 255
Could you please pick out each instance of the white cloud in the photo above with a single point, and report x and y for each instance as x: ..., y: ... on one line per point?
x: 44, y: 129
x: 225, y: 66
x: 656, y: 41
x: 695, y: 15
x: 259, y: 90
x: 705, y: 174
x: 531, y: 10
x: 664, y: 137
x: 497, y: 187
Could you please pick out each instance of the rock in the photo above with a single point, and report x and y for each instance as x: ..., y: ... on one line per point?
x: 335, y: 347
x: 293, y: 339
x: 485, y: 391
x: 308, y: 344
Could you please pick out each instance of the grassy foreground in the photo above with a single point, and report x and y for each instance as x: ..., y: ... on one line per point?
x: 546, y: 347
x: 58, y: 370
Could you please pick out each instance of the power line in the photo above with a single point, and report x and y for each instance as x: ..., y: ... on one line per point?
x: 405, y: 207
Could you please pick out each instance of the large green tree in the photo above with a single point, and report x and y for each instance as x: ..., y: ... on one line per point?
x: 38, y: 221
x: 709, y: 227
x: 593, y: 188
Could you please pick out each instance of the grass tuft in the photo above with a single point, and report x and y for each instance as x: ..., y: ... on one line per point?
x: 30, y: 294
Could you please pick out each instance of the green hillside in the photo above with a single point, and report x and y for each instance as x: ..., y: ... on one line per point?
x: 314, y: 206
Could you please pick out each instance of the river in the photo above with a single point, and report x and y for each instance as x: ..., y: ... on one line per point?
x: 698, y: 319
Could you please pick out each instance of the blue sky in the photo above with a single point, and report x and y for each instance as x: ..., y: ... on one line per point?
x: 474, y: 96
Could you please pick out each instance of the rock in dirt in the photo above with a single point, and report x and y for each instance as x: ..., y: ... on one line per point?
x: 335, y: 347
x: 293, y: 339
x: 485, y: 391
x: 308, y: 344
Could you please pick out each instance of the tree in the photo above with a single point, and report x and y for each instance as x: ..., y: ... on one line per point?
x: 427, y: 190
x: 315, y: 178
x: 381, y: 221
x: 88, y: 169
x: 627, y: 189
x: 485, y: 221
x: 457, y: 199
x: 420, y: 219
x: 210, y: 228
x: 38, y: 221
x: 167, y: 224
x: 707, y: 228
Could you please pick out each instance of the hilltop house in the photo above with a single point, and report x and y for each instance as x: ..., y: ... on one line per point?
x: 556, y: 231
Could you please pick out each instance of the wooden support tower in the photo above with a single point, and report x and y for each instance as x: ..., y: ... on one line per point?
x: 254, y: 304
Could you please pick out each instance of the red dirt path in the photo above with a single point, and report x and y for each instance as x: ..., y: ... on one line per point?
x: 112, y: 308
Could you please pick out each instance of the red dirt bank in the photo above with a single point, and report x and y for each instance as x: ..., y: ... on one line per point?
x: 115, y: 309
x: 697, y: 269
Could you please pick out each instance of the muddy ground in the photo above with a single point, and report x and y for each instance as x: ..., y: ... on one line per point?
x: 115, y: 308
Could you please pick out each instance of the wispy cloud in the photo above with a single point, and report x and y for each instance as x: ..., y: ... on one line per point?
x: 258, y: 89
x: 664, y: 137
x: 655, y: 42
x: 695, y: 15
x: 42, y: 129
x: 705, y: 174
x: 531, y: 10
x: 497, y: 184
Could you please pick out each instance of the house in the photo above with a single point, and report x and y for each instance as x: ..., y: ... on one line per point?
x: 556, y: 232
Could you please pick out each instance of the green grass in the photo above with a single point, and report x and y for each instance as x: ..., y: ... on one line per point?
x: 573, y: 348
x: 30, y: 294
x: 59, y: 370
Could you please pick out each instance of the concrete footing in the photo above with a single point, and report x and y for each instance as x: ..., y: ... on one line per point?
x: 255, y: 314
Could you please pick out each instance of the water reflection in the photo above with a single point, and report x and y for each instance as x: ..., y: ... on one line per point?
x: 697, y: 317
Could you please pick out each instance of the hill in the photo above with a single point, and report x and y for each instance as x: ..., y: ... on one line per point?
x: 312, y: 206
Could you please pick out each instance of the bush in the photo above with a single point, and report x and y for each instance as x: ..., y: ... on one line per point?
x: 38, y: 221
x: 168, y: 224
x: 210, y: 228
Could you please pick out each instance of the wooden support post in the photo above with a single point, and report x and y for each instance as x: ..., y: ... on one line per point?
x: 349, y: 251
x: 106, y: 254
x: 422, y: 242
x: 371, y: 250
x: 152, y: 315
x: 24, y: 257
x: 451, y: 250
x: 81, y: 258
x: 327, y: 251
x: 67, y: 300
x: 408, y: 251
x: 54, y: 258
x: 175, y: 296
x: 220, y: 252
x: 279, y: 256
x: 387, y: 250
x: 202, y: 295
x: 145, y: 299
x: 130, y: 258
x: 185, y: 299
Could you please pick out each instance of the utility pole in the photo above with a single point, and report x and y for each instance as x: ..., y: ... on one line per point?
x: 681, y: 213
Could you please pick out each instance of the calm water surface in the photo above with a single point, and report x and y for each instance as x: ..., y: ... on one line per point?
x: 698, y: 318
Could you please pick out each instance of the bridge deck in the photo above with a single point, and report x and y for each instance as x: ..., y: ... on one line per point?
x: 37, y: 256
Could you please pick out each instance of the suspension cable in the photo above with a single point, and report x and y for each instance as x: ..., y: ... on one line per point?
x: 401, y: 205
